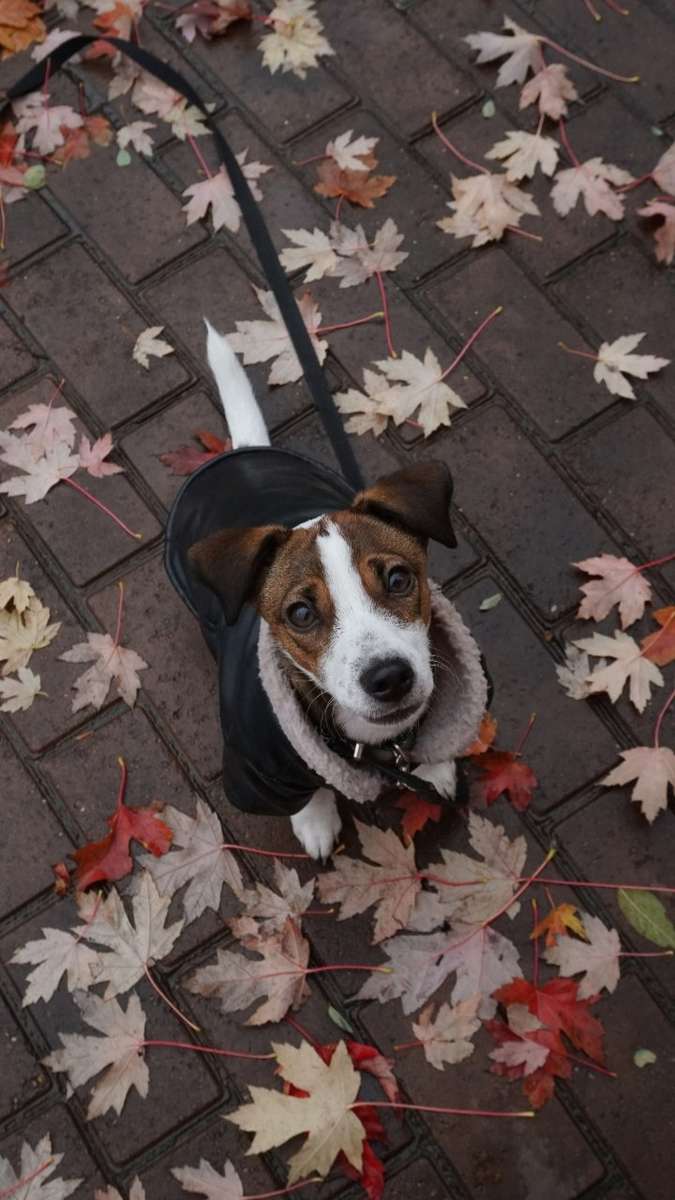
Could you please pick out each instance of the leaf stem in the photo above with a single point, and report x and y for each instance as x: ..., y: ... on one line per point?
x: 295, y: 1187
x: 200, y: 157
x: 656, y: 562
x: 304, y: 162
x: 124, y: 774
x: 468, y: 162
x: 264, y: 853
x: 181, y: 1016
x: 659, y: 719
x: 103, y: 507
x: 432, y: 1108
x: 476, y: 334
x: 504, y: 908
x: 583, y: 62
x: 581, y: 1062
x: 628, y: 187
x: 534, y: 237
x: 579, y: 353
x: 646, y: 954
x: 626, y: 887
x: 21, y: 1183
x: 535, y: 944
x: 118, y: 634
x: 385, y: 312
x: 408, y: 1046
x: 564, y: 138
x: 524, y: 736
x: 203, y: 1049
x: 347, y: 324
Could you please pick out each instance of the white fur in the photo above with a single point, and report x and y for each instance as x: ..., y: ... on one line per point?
x: 362, y: 632
x: 318, y: 824
x: 242, y: 413
x: 443, y: 776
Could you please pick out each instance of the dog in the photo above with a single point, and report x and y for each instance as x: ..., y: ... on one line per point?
x: 361, y: 660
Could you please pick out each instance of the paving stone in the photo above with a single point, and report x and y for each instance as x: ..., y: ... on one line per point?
x: 374, y: 455
x: 16, y: 359
x: 596, y: 290
x: 58, y: 1124
x: 89, y: 329
x: 32, y: 839
x: 100, y: 544
x: 23, y: 1079
x: 169, y: 430
x: 47, y: 718
x: 282, y: 103
x: 135, y: 198
x: 31, y: 225
x: 181, y: 676
x: 215, y: 287
x: 622, y: 138
x: 529, y: 517
x: 525, y: 682
x: 385, y: 53
x: 628, y: 468
x: 418, y: 1182
x: 218, y: 1143
x: 556, y: 389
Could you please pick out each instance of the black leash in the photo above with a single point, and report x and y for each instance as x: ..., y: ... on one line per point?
x: 34, y: 80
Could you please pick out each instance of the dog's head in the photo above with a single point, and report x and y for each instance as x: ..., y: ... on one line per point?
x: 346, y: 596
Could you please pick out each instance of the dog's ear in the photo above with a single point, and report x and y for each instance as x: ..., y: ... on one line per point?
x: 232, y: 563
x: 416, y: 498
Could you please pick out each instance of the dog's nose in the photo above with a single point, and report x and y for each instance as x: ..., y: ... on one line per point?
x: 387, y: 679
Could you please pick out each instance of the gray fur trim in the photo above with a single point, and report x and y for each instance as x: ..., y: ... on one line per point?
x: 447, y: 729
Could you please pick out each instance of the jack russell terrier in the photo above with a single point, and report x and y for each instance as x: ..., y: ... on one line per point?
x: 336, y: 654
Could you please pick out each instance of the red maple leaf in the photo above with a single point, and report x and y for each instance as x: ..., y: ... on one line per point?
x: 560, y: 1011
x: 186, y: 459
x: 540, y: 1084
x: 503, y: 771
x: 8, y: 139
x: 110, y: 859
x: 118, y: 22
x: 416, y: 812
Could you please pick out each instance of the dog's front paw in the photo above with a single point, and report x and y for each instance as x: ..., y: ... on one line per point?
x: 318, y: 824
x: 442, y: 776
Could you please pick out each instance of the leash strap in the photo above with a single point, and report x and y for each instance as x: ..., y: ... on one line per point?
x: 34, y: 79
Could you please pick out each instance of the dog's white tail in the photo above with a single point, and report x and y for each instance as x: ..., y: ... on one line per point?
x: 242, y: 413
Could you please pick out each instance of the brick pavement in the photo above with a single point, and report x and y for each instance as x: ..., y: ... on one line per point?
x: 548, y: 467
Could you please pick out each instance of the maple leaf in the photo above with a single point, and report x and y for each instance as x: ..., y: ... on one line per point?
x: 53, y: 39
x: 111, y: 662
x: 560, y: 918
x: 664, y: 235
x: 629, y: 665
x: 187, y: 459
x: 487, y: 733
x: 391, y: 885
x: 42, y: 474
x: 503, y: 772
x: 659, y: 647
x: 17, y: 695
x: 417, y: 811
x: 521, y: 1052
x: 525, y: 152
x: 482, y: 958
x: 212, y: 17
x: 110, y: 858
x: 273, y: 909
x: 136, y: 134
x: 520, y: 48
x: 359, y: 187
x: 92, y: 457
x: 46, y: 426
x: 598, y: 957
x: 49, y: 123
x: 258, y: 341
x: 16, y: 592
x: 37, y: 1164
x: 131, y: 949
x: 22, y: 633
x: 324, y: 1114
x: 136, y: 1192
x: 313, y: 250
x: 591, y: 180
x: 418, y: 384
x: 153, y: 97
x: 204, y: 1180
x: 149, y: 342
x: 653, y: 769
x: 615, y: 361
x: 558, y: 1007
x: 484, y: 207
x: 528, y: 1051
x: 279, y: 975
x: 20, y: 26
x: 552, y: 88
x: 217, y: 193
x: 620, y: 582
x: 446, y: 1038
x: 78, y: 142
x: 198, y: 858
x: 365, y: 411
x: 368, y: 259
x: 55, y: 954
x: 295, y: 41
x: 119, y: 1050
x: 349, y: 155
x: 575, y: 672
x: 664, y: 171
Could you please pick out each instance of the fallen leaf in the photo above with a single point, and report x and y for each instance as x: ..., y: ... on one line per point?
x: 204, y: 1180
x: 42, y: 474
x: 17, y: 695
x: 505, y: 773
x: 54, y: 38
x: 348, y: 154
x: 150, y: 343
x: 46, y: 425
x: 216, y: 192
x: 485, y: 206
x: 187, y: 459
x: 575, y: 672
x: 136, y: 135
x: 659, y: 647
x: 629, y: 665
x: 486, y: 736
x: 20, y: 26
x: 591, y: 180
x: 644, y: 1058
x: 92, y: 457
x: 110, y: 858
x: 521, y: 153
x: 273, y: 909
x: 136, y: 1192
x: 366, y: 259
x: 325, y: 1114
x: 392, y: 885
x: 259, y: 341
x: 615, y: 361
x: 212, y: 17
x: 418, y: 384
x: 417, y: 811
x: 198, y: 858
x: 295, y: 41
x: 664, y: 171
x: 520, y: 48
x: 560, y: 918
x: 118, y: 1052
x: 490, y: 602
x: 313, y: 250
x: 15, y: 592
x: 111, y: 662
x: 366, y: 409
x: 521, y: 1052
x: 664, y: 235
x: 653, y: 769
x: 536, y: 1055
x: 647, y: 915
x: 620, y: 582
x: 359, y: 187
x: 559, y: 1008
x: 37, y: 1164
x: 55, y: 954
x: 446, y: 1038
x: 49, y: 123
x: 597, y: 958
x: 551, y: 88
x: 23, y: 633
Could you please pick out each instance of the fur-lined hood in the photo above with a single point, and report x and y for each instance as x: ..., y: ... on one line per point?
x: 446, y: 730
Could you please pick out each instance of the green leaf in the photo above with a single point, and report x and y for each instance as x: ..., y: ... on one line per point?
x: 490, y: 602
x: 123, y: 158
x: 488, y: 109
x: 34, y: 177
x: 644, y: 1058
x: 338, y: 1019
x: 646, y: 913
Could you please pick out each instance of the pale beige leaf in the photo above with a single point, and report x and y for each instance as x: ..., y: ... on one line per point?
x: 150, y: 343
x: 295, y: 41
x: 55, y: 954
x: 313, y: 250
x: 629, y: 666
x: 356, y: 885
x: 664, y: 172
x: 197, y: 858
x: 324, y: 1115
x: 111, y: 662
x: 41, y: 474
x: 118, y: 1052
x: 653, y: 769
x: 619, y: 582
x: 524, y: 1053
x: 217, y: 193
x: 365, y: 408
x: 136, y: 135
x: 92, y: 457
x: 664, y: 235
x: 46, y: 121
x: 204, y: 1180
x: 446, y: 1038
x: 22, y: 633
x: 17, y: 695
x: 591, y: 180
x: 366, y: 259
x: 521, y: 1020
x: 520, y: 48
x: 349, y: 154
x: 259, y: 341
x: 45, y: 426
x: 521, y: 154
x: 16, y: 592
x: 552, y: 88
x: 186, y: 120
x: 615, y: 361
x: 573, y: 675
x: 484, y: 206
x: 38, y: 1165
x: 598, y: 958
x: 418, y: 384
x: 136, y: 1192
x: 291, y: 898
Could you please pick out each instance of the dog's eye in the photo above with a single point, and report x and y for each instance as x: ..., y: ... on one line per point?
x: 301, y: 615
x: 400, y: 581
